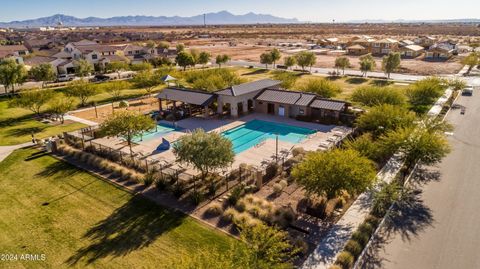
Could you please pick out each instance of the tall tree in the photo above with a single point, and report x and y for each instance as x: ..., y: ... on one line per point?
x: 163, y: 45
x: 328, y: 173
x: 267, y: 247
x: 185, y: 59
x: 147, y: 80
x: 276, y: 55
x: 289, y: 61
x: 43, y: 72
x: 83, y: 68
x: 382, y: 118
x: 425, y: 144
x: 117, y: 67
x: 127, y: 124
x: 33, y: 99
x: 203, y: 58
x: 390, y: 63
x: 266, y: 59
x: 11, y: 73
x: 222, y: 59
x: 60, y: 105
x: 342, y: 63
x: 115, y: 88
x: 205, y: 151
x: 143, y: 66
x: 151, y: 44
x: 180, y: 47
x: 306, y: 58
x: 367, y: 64
x: 82, y: 90
x: 322, y: 87
x: 372, y: 95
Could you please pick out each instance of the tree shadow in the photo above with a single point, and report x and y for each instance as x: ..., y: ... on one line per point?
x: 256, y: 72
x: 333, y: 78
x: 59, y: 170
x: 381, y: 82
x: 25, y: 131
x: 424, y: 176
x: 356, y: 80
x: 135, y: 225
x: 36, y: 155
x: 409, y: 216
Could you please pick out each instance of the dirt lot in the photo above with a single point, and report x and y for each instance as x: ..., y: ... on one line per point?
x: 411, y: 66
x: 141, y: 105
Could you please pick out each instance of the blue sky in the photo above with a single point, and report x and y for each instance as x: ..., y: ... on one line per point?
x: 306, y: 10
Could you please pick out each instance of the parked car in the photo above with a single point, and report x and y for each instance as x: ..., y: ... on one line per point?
x: 468, y: 91
x: 98, y: 78
x: 65, y: 77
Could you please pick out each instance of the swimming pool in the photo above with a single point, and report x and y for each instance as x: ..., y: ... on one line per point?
x: 161, y: 130
x: 253, y: 132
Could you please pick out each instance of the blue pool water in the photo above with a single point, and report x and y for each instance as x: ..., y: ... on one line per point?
x: 253, y: 132
x: 161, y: 130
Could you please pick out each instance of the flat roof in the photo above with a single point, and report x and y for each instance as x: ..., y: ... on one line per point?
x: 187, y: 96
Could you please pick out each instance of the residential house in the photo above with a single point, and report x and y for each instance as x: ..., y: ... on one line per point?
x: 411, y: 51
x: 405, y: 42
x: 137, y: 54
x: 39, y: 44
x: 357, y: 49
x: 439, y: 52
x: 96, y: 54
x: 16, y: 52
x: 384, y: 46
x: 425, y: 41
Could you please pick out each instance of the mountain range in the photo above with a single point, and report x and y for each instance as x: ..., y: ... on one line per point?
x: 222, y: 17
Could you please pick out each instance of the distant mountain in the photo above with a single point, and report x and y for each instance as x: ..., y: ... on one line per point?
x: 416, y: 21
x: 222, y: 17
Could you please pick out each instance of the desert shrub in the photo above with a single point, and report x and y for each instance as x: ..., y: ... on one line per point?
x: 361, y: 238
x: 345, y: 259
x: 197, y: 197
x: 229, y: 214
x: 77, y: 155
x: 123, y: 104
x: 212, y: 79
x: 240, y: 206
x: 283, y: 216
x: 353, y: 247
x: 149, y: 178
x: 283, y: 183
x: 271, y: 171
x: 366, y: 228
x: 372, y: 220
x: 161, y: 183
x: 236, y: 194
x: 372, y: 95
x: 298, y: 151
x: 300, y: 244
x: 178, y: 189
x: 214, y: 210
x: 277, y: 188
x: 251, y: 188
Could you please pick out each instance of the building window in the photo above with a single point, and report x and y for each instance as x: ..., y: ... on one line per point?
x: 94, y: 56
x: 301, y: 111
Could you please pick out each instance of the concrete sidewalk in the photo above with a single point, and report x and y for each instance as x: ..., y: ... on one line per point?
x: 6, y: 150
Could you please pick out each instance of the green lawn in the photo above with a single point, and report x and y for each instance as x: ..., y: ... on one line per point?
x: 77, y: 220
x: 17, y: 124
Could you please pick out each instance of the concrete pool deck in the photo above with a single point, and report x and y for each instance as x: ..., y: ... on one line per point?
x: 258, y: 155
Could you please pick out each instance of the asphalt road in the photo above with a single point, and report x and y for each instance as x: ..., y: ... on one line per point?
x: 439, y: 225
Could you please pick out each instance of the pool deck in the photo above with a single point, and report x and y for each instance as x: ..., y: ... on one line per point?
x: 259, y: 155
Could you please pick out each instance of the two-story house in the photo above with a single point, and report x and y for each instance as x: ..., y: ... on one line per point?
x: 384, y: 46
x: 16, y: 52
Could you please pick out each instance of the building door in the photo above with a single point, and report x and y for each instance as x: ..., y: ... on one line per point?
x: 271, y: 108
x: 281, y: 111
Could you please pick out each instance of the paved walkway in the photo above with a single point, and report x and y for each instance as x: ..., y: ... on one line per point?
x: 6, y: 150
x: 84, y: 121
